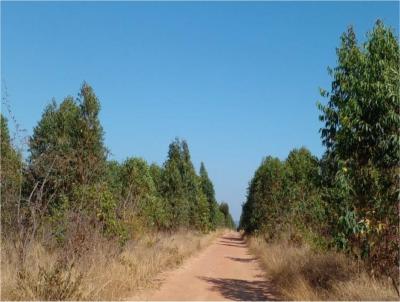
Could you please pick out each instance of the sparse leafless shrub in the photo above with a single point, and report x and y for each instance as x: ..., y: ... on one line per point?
x: 60, y: 282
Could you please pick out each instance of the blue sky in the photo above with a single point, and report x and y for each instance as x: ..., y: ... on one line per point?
x: 237, y: 80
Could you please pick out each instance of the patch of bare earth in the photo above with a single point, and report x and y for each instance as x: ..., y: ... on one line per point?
x: 223, y: 271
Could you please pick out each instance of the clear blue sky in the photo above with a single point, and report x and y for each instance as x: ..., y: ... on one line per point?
x: 239, y: 81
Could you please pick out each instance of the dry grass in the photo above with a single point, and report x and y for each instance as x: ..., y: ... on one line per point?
x: 302, y: 274
x: 104, y: 271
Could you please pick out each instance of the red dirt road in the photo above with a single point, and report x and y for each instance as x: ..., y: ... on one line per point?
x: 223, y: 271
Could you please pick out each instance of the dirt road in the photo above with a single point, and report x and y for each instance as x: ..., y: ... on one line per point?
x: 223, y: 271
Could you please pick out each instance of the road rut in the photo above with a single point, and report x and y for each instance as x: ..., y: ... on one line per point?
x: 223, y: 271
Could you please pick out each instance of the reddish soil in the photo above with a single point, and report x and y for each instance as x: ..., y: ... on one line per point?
x: 223, y: 271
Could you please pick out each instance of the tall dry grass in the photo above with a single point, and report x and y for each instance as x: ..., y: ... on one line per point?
x: 300, y: 273
x: 101, y: 270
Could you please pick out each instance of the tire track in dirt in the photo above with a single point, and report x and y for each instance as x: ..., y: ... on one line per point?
x: 223, y: 271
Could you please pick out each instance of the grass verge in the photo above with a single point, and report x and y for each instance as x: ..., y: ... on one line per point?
x: 101, y: 270
x: 300, y: 273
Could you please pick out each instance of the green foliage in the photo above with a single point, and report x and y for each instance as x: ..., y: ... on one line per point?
x: 10, y: 178
x: 265, y: 203
x: 137, y: 184
x: 181, y: 188
x: 97, y: 201
x: 192, y: 189
x: 70, y: 198
x: 186, y: 199
x: 156, y: 174
x: 361, y: 133
x: 220, y: 218
x: 59, y: 219
x: 139, y: 197
x: 113, y: 177
x: 307, y: 210
x: 208, y: 190
x: 173, y: 187
x: 66, y: 148
x: 227, y: 218
x: 348, y: 199
x: 361, y: 117
x: 67, y: 167
x: 202, y: 213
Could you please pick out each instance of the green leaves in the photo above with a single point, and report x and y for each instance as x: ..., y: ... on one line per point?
x: 350, y: 196
x: 10, y: 178
x: 282, y: 194
x: 190, y: 199
x: 208, y: 190
x: 362, y: 130
x: 67, y: 144
x: 227, y: 218
x: 360, y: 116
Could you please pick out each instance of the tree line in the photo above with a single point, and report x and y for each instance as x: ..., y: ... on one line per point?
x: 67, y: 182
x: 349, y: 198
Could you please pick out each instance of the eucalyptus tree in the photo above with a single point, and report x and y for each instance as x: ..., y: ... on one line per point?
x: 207, y: 188
x: 361, y: 135
x: 66, y: 148
x: 10, y: 179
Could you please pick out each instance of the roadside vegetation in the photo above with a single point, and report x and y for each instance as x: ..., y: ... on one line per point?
x: 328, y: 228
x: 106, y: 271
x: 75, y: 225
x: 301, y: 273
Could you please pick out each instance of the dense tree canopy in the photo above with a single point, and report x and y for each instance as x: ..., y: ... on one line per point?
x: 361, y: 133
x: 208, y: 189
x: 349, y: 198
x: 10, y: 177
x: 66, y: 148
x: 68, y: 184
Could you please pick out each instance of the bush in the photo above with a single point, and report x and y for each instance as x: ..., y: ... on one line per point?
x: 300, y: 273
x: 59, y: 283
